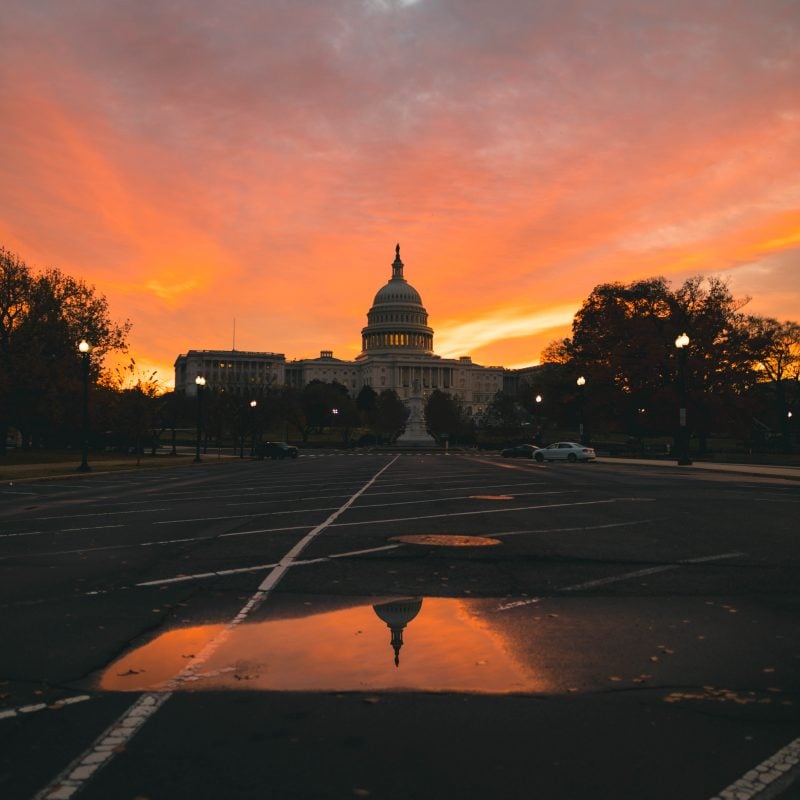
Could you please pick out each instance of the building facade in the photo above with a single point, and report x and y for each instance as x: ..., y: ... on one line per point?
x: 396, y: 353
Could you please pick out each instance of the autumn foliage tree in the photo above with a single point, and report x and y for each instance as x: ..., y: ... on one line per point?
x: 623, y: 342
x: 43, y: 316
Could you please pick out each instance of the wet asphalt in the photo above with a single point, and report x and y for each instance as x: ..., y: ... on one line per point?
x: 628, y: 631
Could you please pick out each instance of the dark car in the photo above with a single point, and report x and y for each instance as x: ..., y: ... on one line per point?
x: 520, y: 451
x: 275, y: 450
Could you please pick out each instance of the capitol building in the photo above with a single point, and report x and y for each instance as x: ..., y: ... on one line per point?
x: 396, y: 353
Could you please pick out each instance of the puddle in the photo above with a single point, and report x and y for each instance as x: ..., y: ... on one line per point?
x: 444, y: 540
x: 431, y: 644
x: 535, y: 645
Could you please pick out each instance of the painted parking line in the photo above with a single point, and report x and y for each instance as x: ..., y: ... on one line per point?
x: 649, y: 571
x: 54, y: 706
x: 261, y: 567
x: 102, y: 514
x: 75, y: 776
x: 58, y: 530
x: 625, y: 576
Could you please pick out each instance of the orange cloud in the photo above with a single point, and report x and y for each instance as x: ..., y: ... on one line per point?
x: 261, y: 166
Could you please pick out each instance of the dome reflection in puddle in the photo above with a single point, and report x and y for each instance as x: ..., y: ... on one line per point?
x: 435, y: 644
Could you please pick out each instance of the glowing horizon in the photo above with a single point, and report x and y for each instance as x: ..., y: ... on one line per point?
x: 260, y: 165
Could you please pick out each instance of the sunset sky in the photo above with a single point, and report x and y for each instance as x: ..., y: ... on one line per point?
x: 201, y: 161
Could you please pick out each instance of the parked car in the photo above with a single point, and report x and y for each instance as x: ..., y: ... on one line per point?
x: 520, y: 451
x: 565, y: 451
x: 275, y: 450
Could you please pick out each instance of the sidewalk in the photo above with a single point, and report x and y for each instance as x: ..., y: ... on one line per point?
x: 771, y: 471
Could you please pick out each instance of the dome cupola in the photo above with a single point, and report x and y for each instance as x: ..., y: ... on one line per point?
x: 397, y: 319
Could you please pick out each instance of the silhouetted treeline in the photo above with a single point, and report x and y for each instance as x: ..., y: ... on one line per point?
x: 742, y: 370
x: 43, y: 317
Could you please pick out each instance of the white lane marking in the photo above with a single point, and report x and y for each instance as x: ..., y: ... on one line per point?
x: 649, y: 571
x: 502, y: 510
x: 260, y: 567
x: 59, y: 530
x: 200, y: 575
x: 305, y: 562
x: 157, y: 543
x: 519, y: 603
x: 102, y: 514
x: 243, y: 516
x: 623, y: 577
x: 461, y: 497
x: 82, y: 550
x: 67, y: 701
x: 627, y: 524
x: 102, y: 750
x: 438, y: 488
x: 773, y: 776
x: 252, y: 531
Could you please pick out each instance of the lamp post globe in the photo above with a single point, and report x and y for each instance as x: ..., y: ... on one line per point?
x: 84, y: 348
x: 200, y: 382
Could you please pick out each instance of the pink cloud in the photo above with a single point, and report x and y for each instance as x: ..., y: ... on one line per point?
x: 261, y: 163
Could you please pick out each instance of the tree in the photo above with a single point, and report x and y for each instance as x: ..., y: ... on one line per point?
x: 42, y: 318
x: 506, y: 415
x: 776, y: 349
x: 623, y: 343
x: 136, y: 407
x: 444, y: 415
x: 389, y: 415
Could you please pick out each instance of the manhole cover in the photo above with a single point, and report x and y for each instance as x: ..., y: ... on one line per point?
x: 491, y: 497
x: 443, y: 540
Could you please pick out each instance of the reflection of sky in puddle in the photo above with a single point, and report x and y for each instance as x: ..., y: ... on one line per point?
x: 442, y: 644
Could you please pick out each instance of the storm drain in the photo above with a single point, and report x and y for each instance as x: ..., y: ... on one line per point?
x: 444, y: 540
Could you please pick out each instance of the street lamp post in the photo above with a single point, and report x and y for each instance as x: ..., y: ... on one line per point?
x: 85, y: 348
x: 538, y: 399
x: 253, y: 404
x: 583, y: 427
x: 682, y: 343
x: 200, y: 382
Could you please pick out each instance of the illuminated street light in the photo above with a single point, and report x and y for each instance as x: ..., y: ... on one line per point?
x: 538, y: 436
x: 200, y: 381
x: 84, y: 348
x: 682, y: 342
x: 583, y: 426
x: 253, y: 404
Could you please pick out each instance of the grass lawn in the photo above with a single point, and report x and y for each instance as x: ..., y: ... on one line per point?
x: 20, y: 465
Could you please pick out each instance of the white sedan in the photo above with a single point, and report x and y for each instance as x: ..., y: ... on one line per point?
x: 565, y: 451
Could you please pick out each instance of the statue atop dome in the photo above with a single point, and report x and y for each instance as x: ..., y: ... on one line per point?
x: 397, y: 266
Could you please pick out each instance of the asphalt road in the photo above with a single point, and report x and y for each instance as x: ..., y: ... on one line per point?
x: 262, y: 629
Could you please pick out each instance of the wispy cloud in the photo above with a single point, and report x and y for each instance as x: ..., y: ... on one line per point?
x: 270, y: 156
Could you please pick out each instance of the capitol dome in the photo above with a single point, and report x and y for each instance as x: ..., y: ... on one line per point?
x: 397, y: 319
